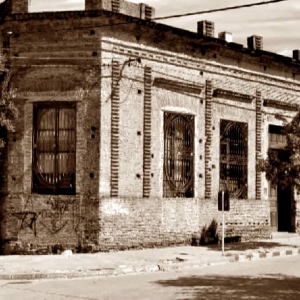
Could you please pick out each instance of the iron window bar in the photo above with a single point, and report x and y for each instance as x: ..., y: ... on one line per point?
x: 234, y: 158
x: 178, y: 155
x: 54, y: 148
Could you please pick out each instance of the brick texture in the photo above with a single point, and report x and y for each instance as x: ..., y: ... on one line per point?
x: 208, y: 137
x: 165, y: 222
x: 147, y: 134
x: 258, y: 141
x: 117, y: 205
x: 140, y: 10
x: 16, y: 6
x: 115, y: 106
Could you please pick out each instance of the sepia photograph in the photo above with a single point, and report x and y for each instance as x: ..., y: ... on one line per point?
x: 149, y: 150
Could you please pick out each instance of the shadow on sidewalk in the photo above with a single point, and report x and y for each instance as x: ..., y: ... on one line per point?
x: 231, y: 287
x: 243, y: 246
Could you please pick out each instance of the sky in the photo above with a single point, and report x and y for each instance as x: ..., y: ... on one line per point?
x: 278, y: 23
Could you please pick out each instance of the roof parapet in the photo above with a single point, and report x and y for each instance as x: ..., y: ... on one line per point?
x: 14, y: 7
x: 140, y: 10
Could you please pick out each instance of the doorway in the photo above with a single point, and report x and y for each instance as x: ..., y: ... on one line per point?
x: 281, y: 198
x: 284, y: 208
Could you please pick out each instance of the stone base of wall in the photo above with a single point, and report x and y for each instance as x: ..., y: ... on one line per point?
x: 153, y: 222
x: 22, y: 248
x: 104, y: 224
x: 44, y: 224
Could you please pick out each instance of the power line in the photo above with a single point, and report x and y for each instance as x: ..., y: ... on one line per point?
x: 217, y: 10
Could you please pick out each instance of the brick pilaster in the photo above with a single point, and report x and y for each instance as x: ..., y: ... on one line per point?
x: 146, y: 11
x: 115, y: 5
x: 258, y: 142
x: 147, y: 134
x: 208, y: 133
x: 115, y: 120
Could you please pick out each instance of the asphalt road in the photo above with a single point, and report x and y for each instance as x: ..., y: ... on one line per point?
x: 277, y: 278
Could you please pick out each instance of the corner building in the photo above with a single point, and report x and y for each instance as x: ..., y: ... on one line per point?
x: 128, y: 129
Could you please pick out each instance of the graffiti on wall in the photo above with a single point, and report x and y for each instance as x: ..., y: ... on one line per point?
x: 27, y: 219
x: 64, y: 216
x: 53, y: 219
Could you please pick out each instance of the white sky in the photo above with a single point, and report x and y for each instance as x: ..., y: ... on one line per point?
x: 277, y: 23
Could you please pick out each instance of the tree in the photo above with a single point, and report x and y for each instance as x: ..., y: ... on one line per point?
x: 8, y: 110
x: 8, y: 114
x: 282, y: 167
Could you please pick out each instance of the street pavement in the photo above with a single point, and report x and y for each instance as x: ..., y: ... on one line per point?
x: 67, y: 265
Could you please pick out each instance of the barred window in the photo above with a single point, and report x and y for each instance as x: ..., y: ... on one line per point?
x: 234, y: 158
x: 178, y: 155
x: 54, y: 148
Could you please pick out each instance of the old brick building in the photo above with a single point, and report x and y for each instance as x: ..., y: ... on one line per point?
x: 129, y: 129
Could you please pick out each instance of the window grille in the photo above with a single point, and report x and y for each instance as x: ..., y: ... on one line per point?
x: 54, y: 140
x: 234, y: 158
x: 178, y: 155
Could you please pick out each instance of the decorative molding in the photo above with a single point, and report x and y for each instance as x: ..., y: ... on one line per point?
x: 76, y: 95
x: 177, y: 86
x: 167, y: 56
x: 230, y: 95
x: 147, y: 133
x: 208, y: 135
x: 280, y: 105
x: 115, y: 5
x: 258, y: 130
x: 115, y: 120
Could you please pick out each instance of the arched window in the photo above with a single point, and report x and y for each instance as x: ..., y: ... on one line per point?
x: 54, y: 148
x: 234, y: 158
x: 178, y: 155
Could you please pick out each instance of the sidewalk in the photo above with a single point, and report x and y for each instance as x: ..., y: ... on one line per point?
x: 138, y: 261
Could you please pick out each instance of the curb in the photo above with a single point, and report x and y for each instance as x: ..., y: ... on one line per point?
x: 163, y: 267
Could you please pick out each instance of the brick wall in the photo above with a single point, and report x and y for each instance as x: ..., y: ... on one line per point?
x: 16, y: 6
x: 128, y: 8
x: 98, y: 4
x: 88, y: 73
x: 175, y: 220
x: 142, y: 222
x: 34, y: 223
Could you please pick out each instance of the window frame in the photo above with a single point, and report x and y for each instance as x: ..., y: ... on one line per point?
x: 276, y: 137
x: 234, y: 177
x: 184, y: 164
x: 38, y: 186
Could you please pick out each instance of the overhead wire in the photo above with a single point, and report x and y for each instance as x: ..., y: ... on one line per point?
x: 217, y: 10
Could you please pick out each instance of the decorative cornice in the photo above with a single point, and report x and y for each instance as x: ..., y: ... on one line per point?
x: 177, y: 86
x: 121, y: 47
x: 230, y: 95
x: 280, y: 105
